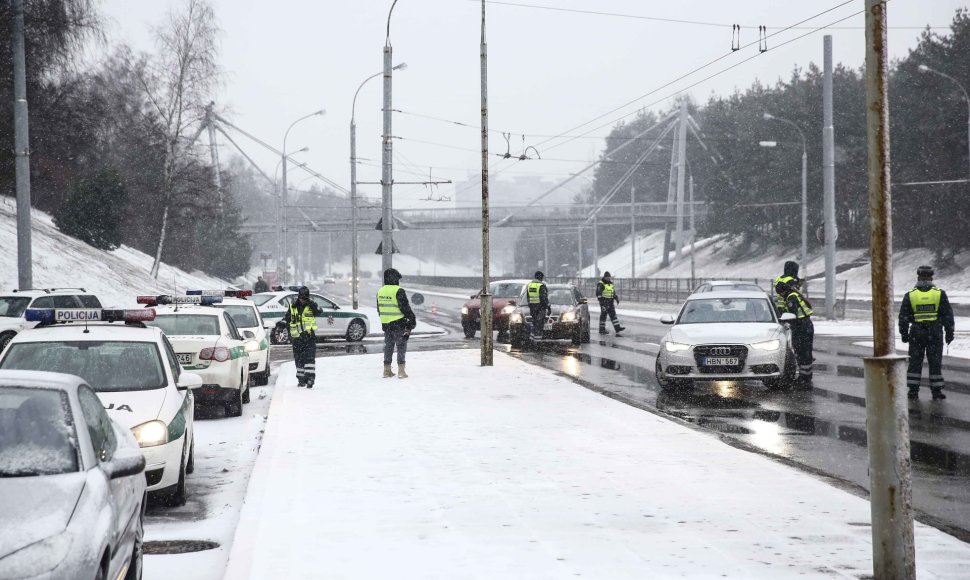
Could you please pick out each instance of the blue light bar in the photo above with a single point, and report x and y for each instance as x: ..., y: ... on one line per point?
x: 39, y: 315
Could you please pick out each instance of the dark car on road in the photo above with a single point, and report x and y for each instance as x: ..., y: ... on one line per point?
x: 506, y: 296
x: 569, y: 318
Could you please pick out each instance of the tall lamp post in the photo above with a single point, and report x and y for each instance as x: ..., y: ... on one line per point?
x: 387, y: 173
x: 925, y: 69
x: 353, y: 184
x: 485, y: 308
x: 804, y: 256
x: 279, y: 215
x: 285, y: 192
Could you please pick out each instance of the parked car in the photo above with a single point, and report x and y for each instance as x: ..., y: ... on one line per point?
x: 247, y: 318
x: 569, y: 318
x: 135, y: 373
x: 506, y: 296
x: 72, y: 489
x: 726, y: 336
x: 14, y: 304
x: 334, y: 322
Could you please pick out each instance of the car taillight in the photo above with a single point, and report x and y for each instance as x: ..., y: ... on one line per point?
x: 218, y: 354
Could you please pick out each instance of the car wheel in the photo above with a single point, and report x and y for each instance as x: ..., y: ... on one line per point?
x: 245, y: 397
x: 190, y: 464
x: 662, y: 380
x: 503, y: 337
x: 517, y: 339
x: 586, y: 335
x: 279, y: 336
x: 102, y: 572
x: 469, y: 330
x: 137, y: 553
x: 356, y: 331
x: 577, y: 337
x: 175, y: 495
x: 262, y: 379
x: 5, y: 338
x: 234, y: 408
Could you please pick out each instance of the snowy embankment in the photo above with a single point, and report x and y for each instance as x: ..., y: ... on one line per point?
x: 60, y: 261
x: 469, y: 471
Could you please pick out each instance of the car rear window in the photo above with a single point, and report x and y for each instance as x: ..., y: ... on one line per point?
x: 13, y: 306
x: 187, y: 324
x: 105, y: 365
x: 243, y: 316
x: 89, y: 301
x: 37, y: 435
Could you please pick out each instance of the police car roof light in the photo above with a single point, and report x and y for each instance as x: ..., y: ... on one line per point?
x: 39, y: 315
x: 52, y: 315
x: 147, y: 300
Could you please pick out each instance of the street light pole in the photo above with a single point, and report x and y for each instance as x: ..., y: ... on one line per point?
x: 25, y: 275
x: 387, y: 174
x: 485, y: 309
x: 925, y: 69
x: 285, y: 192
x: 355, y: 258
x: 804, y: 253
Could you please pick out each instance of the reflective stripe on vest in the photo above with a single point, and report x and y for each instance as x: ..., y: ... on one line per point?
x: 804, y: 310
x: 387, y: 305
x: 534, y: 292
x: 779, y: 299
x: 926, y: 304
x: 300, y: 324
x: 608, y: 292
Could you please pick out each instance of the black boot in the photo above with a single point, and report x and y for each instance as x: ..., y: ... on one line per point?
x: 619, y: 328
x: 913, y: 395
x: 938, y: 395
x: 603, y: 331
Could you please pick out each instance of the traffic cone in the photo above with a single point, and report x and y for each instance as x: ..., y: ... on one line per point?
x: 434, y: 308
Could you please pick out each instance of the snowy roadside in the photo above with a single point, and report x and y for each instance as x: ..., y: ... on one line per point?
x: 374, y: 324
x: 514, y: 472
x: 225, y: 453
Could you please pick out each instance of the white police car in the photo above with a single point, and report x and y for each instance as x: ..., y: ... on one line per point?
x: 334, y: 322
x: 14, y: 304
x: 247, y: 318
x: 133, y: 370
x: 208, y: 343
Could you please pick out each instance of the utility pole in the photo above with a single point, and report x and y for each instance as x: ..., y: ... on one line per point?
x: 545, y: 248
x: 693, y: 232
x: 214, y: 153
x: 828, y: 175
x: 671, y: 200
x: 633, y: 232
x: 25, y: 276
x: 387, y: 173
x: 579, y: 258
x: 485, y: 310
x: 283, y: 202
x: 681, y: 171
x: 596, y: 247
x: 354, y: 250
x: 887, y: 411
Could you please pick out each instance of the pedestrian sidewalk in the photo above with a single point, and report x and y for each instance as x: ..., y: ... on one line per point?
x: 513, y: 472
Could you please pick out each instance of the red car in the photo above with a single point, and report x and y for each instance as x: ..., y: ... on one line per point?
x: 506, y: 294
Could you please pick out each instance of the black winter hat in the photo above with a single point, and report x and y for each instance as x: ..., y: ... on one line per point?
x: 607, y: 274
x: 791, y: 269
x: 925, y: 272
x: 539, y: 275
x: 392, y: 276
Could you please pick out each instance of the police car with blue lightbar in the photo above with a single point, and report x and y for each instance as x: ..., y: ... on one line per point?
x: 134, y: 371
x: 248, y: 319
x: 334, y: 322
x: 15, y: 303
x: 207, y: 342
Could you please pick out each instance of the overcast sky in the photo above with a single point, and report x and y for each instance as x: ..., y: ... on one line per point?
x: 549, y: 71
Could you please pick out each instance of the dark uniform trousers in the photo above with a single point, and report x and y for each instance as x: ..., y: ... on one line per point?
x: 305, y: 355
x: 803, y: 342
x: 608, y: 308
x: 538, y: 313
x: 925, y: 339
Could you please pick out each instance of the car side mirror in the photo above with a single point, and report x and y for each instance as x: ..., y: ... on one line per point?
x: 125, y: 463
x: 248, y: 334
x: 417, y: 298
x: 666, y: 319
x: 788, y: 317
x: 189, y: 381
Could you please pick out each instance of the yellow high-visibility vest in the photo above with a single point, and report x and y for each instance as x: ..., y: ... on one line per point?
x: 387, y: 305
x: 925, y: 304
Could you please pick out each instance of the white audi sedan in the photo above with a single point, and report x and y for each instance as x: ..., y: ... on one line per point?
x: 726, y: 336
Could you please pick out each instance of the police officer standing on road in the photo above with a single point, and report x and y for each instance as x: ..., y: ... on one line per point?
x: 301, y: 317
x: 802, y: 328
x: 924, y: 317
x: 608, y: 297
x: 538, y: 296
x: 789, y: 277
x: 397, y: 321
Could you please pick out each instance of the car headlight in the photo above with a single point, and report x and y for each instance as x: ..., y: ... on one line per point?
x: 568, y: 316
x: 676, y: 346
x: 39, y: 557
x: 516, y: 318
x: 252, y: 346
x: 767, y: 345
x: 464, y: 310
x: 151, y: 434
x: 509, y: 309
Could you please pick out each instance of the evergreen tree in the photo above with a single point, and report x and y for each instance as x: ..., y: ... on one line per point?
x: 94, y: 210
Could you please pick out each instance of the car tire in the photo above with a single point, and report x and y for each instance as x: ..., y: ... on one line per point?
x: 503, y: 337
x: 469, y: 330
x: 663, y: 381
x: 175, y: 495
x: 102, y: 572
x: 190, y: 464
x: 279, y: 336
x: 234, y: 408
x: 5, y: 338
x: 356, y: 330
x: 245, y: 397
x: 517, y: 339
x: 586, y: 334
x: 136, y: 565
x: 262, y: 379
x: 577, y: 337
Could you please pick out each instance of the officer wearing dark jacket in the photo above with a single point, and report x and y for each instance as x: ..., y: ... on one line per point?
x: 802, y: 328
x: 608, y: 298
x: 538, y: 297
x: 260, y: 286
x: 397, y: 321
x: 925, y: 321
x: 301, y: 318
x: 790, y: 276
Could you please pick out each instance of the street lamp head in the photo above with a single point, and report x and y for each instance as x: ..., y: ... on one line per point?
x: 320, y: 112
x: 304, y: 150
x: 768, y: 143
x: 923, y: 68
x: 768, y: 116
x: 402, y: 66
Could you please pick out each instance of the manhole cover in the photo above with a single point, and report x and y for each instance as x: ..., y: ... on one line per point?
x: 178, y: 547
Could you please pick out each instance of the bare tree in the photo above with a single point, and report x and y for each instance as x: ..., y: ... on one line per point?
x: 179, y: 85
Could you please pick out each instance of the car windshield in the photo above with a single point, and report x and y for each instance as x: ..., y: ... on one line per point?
x: 260, y: 299
x: 105, y: 365
x: 13, y: 306
x: 505, y: 290
x: 37, y: 434
x: 187, y: 324
x: 243, y: 316
x: 714, y: 310
x: 562, y: 296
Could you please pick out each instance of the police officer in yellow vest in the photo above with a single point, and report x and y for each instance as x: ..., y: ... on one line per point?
x: 301, y: 318
x: 925, y: 316
x: 538, y: 297
x: 608, y: 298
x: 397, y: 321
x: 802, y: 328
x: 789, y: 277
